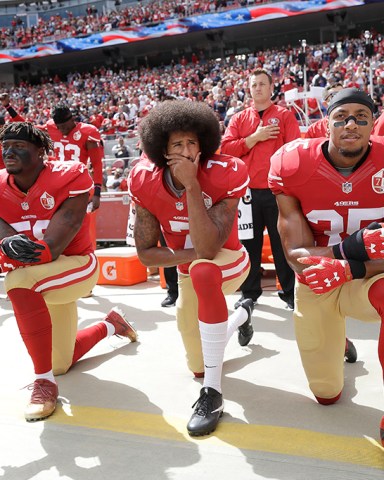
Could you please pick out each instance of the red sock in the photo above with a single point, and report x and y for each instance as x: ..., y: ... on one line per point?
x: 328, y: 401
x: 88, y: 338
x: 35, y: 326
x: 376, y: 295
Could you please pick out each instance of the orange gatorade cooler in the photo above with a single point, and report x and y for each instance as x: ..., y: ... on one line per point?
x: 120, y: 266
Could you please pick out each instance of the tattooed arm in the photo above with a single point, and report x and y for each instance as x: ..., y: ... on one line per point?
x: 147, y: 234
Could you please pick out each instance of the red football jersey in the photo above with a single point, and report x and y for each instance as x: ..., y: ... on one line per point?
x: 220, y: 177
x: 31, y: 213
x: 72, y: 146
x: 335, y: 206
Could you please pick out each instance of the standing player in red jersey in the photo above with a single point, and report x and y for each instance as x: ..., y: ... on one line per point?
x: 75, y: 141
x: 329, y: 192
x: 191, y: 195
x: 46, y: 249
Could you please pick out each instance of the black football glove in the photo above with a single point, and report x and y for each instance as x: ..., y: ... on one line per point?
x: 20, y: 247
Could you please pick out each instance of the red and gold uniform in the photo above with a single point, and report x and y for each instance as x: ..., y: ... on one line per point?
x: 220, y: 177
x: 74, y: 145
x: 335, y: 206
x: 75, y: 272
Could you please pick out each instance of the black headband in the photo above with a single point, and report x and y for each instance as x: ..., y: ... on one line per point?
x: 350, y: 95
x: 23, y: 134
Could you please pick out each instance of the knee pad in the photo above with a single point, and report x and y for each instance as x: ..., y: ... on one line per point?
x: 206, y: 276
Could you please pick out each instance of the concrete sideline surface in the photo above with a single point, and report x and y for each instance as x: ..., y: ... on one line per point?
x: 123, y: 409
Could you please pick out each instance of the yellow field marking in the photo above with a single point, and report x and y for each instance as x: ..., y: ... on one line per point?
x: 280, y: 440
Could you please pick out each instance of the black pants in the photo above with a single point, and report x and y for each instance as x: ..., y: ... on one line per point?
x: 170, y: 274
x: 265, y: 214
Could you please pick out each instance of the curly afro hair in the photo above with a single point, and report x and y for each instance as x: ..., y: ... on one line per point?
x: 179, y: 116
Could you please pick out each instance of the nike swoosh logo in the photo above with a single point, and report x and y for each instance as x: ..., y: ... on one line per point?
x: 208, y: 366
x: 234, y: 168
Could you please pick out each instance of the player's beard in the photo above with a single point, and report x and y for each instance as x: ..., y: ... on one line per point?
x: 351, y: 153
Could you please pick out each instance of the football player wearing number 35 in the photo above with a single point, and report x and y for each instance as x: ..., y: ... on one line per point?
x: 330, y: 195
x: 47, y: 255
x: 191, y: 194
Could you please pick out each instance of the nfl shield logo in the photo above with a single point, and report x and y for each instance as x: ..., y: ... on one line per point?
x: 179, y: 206
x: 378, y: 181
x: 24, y: 205
x: 47, y: 201
x: 347, y: 187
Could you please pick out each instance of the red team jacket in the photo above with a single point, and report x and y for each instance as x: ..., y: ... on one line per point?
x: 220, y: 177
x: 31, y: 213
x: 257, y: 159
x: 334, y: 206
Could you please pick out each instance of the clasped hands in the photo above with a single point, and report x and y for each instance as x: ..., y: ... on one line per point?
x: 325, y: 274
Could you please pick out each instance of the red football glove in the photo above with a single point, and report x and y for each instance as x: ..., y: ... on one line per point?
x: 7, y: 264
x: 325, y: 274
x: 374, y: 243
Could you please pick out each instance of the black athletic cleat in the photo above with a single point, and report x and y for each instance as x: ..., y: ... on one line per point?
x: 288, y: 298
x: 241, y: 300
x: 169, y: 301
x: 246, y: 329
x: 208, y: 410
x: 350, y: 354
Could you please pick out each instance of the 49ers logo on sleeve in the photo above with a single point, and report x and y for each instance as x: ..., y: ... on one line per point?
x: 207, y: 201
x: 47, y: 201
x: 378, y: 181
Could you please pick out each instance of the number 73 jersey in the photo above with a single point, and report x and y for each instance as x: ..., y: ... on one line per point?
x: 335, y: 206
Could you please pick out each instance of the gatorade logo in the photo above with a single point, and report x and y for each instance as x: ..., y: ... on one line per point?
x: 109, y: 270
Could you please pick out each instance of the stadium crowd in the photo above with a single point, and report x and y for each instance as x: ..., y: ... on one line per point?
x: 68, y: 26
x: 115, y: 99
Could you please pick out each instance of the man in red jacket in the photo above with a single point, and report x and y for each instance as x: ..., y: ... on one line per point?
x: 254, y: 135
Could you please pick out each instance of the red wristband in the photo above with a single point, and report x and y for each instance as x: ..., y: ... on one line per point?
x: 45, y: 255
x: 7, y: 264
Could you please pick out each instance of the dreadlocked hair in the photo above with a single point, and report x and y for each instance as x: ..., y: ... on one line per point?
x: 28, y: 132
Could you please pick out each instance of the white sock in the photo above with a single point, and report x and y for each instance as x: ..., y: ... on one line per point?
x: 213, y: 341
x: 110, y: 328
x: 47, y: 376
x: 238, y: 317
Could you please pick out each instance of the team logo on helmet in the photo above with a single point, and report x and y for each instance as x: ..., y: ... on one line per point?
x: 378, y: 181
x: 179, y: 206
x: 347, y: 187
x: 273, y: 121
x: 47, y: 201
x: 77, y: 136
x: 207, y: 201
